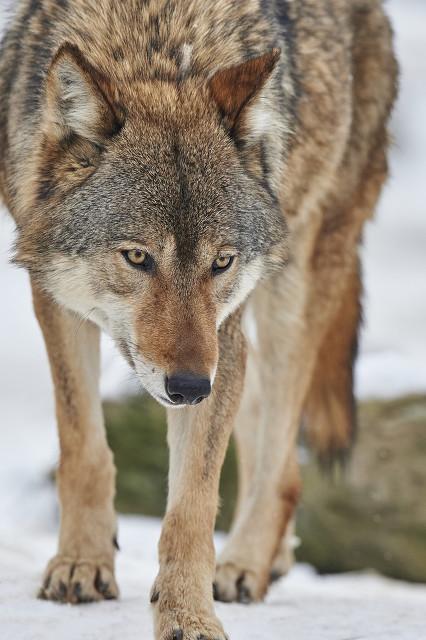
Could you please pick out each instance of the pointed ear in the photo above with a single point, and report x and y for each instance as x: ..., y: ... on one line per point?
x: 76, y: 100
x: 236, y: 88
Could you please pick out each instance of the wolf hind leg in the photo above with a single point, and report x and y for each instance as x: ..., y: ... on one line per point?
x: 330, y: 410
x: 83, y: 569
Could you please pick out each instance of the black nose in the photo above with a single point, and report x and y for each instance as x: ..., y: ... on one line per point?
x: 187, y: 388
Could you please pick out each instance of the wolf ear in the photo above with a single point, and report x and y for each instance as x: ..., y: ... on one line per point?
x: 76, y: 100
x: 236, y: 88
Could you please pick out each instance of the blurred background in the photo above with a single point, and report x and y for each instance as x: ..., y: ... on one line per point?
x: 372, y: 515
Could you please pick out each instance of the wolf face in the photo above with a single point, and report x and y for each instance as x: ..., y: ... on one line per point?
x: 147, y: 219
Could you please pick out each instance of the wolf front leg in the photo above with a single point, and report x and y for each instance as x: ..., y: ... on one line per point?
x: 182, y: 595
x: 83, y: 569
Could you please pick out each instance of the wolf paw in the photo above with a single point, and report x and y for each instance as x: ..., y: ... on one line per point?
x: 78, y: 581
x: 184, y: 625
x: 175, y: 623
x: 236, y: 584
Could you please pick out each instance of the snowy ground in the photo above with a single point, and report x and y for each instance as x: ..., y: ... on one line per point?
x: 393, y: 361
x: 304, y: 607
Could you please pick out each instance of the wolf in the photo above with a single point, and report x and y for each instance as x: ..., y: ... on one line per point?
x: 193, y: 178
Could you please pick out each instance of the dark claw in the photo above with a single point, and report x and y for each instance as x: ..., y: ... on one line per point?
x: 202, y: 637
x: 103, y: 587
x: 274, y: 576
x: 244, y: 595
x: 78, y: 594
x: 62, y: 591
x: 215, y: 592
x: 115, y: 543
x: 177, y: 634
x: 155, y: 597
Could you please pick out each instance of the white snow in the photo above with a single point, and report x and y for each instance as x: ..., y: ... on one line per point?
x: 393, y: 361
x: 303, y: 607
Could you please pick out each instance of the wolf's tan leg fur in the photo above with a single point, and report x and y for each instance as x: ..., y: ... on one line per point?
x: 247, y: 433
x: 182, y: 594
x: 247, y: 428
x: 284, y: 558
x: 83, y: 569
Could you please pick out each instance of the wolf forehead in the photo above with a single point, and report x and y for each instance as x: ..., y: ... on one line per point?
x: 169, y: 183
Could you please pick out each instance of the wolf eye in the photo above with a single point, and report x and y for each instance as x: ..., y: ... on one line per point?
x: 221, y: 264
x: 139, y: 258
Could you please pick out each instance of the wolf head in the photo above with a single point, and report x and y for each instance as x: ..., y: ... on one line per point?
x: 151, y: 212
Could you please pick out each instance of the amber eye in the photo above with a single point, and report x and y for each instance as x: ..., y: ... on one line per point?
x: 221, y: 264
x: 139, y: 258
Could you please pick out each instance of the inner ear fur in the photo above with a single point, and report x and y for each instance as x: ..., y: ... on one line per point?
x: 235, y: 89
x: 76, y: 99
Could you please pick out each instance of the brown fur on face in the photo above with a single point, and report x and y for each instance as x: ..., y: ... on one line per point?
x: 178, y: 335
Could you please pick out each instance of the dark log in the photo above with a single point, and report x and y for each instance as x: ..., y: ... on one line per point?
x: 373, y: 513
